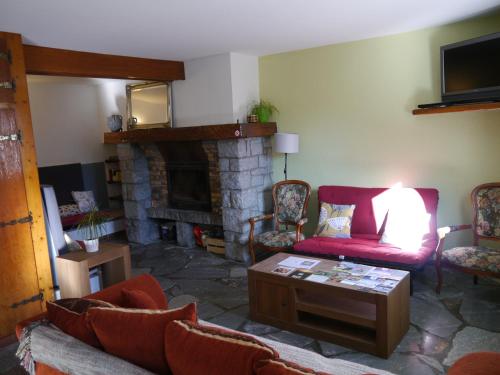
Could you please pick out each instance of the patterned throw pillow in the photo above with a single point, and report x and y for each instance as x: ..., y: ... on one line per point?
x: 85, y: 200
x: 335, y: 220
x: 69, y: 210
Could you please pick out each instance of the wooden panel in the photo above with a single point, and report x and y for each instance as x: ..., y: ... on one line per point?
x: 457, y: 108
x: 273, y: 300
x: 60, y: 62
x: 28, y: 157
x: 73, y: 268
x: 192, y: 133
x: 24, y: 266
x: 364, y: 320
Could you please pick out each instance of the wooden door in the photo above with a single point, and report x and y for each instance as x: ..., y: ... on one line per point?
x: 25, y: 276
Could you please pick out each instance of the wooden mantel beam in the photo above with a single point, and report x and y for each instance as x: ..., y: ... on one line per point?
x: 61, y: 62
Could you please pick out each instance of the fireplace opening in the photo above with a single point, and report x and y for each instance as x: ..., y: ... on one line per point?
x: 189, y: 186
x: 188, y: 177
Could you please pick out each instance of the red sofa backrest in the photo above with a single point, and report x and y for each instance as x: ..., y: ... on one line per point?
x: 363, y: 221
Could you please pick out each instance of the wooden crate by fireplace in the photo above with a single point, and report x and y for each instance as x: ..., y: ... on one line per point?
x: 216, y: 245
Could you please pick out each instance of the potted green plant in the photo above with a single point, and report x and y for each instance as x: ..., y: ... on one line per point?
x: 92, y: 227
x: 263, y: 110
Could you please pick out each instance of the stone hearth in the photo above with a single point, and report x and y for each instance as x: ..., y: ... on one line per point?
x: 240, y: 179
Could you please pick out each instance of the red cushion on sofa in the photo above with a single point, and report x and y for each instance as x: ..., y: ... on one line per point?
x: 70, y: 316
x: 212, y: 351
x: 363, y: 221
x: 146, y: 283
x: 137, y: 299
x: 137, y: 335
x: 365, y: 249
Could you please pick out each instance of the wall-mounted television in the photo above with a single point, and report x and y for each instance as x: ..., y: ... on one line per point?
x: 470, y: 70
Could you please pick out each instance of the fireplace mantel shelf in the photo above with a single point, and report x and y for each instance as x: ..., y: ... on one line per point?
x: 192, y: 133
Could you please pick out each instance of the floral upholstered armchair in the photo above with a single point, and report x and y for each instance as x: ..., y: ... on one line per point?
x: 476, y: 260
x: 290, y: 199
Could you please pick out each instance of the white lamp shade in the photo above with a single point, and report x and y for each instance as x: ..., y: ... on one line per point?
x: 286, y: 143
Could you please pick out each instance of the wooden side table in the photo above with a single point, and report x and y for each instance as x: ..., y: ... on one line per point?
x: 73, y: 268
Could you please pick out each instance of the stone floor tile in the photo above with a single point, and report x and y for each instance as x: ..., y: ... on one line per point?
x: 472, y: 339
x: 329, y: 350
x: 482, y: 308
x: 411, y: 341
x: 230, y: 319
x: 181, y: 301
x: 259, y: 329
x: 165, y: 282
x: 236, y: 272
x: 140, y: 271
x: 8, y: 358
x: 432, y: 362
x: 433, y: 344
x: 200, y: 273
x: 207, y: 310
x: 291, y: 338
x: 432, y: 316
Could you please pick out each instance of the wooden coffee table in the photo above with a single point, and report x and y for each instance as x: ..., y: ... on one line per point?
x: 349, y: 315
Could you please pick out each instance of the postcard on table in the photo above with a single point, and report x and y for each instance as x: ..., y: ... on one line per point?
x: 297, y: 262
x: 285, y: 271
x: 300, y: 274
x: 318, y: 278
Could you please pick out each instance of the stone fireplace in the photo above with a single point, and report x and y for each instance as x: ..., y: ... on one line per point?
x: 198, y: 181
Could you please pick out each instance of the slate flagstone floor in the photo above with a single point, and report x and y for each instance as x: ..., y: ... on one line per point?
x: 464, y: 318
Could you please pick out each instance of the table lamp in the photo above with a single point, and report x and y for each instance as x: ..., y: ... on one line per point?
x: 286, y: 143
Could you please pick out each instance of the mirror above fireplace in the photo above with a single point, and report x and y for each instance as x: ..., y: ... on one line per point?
x: 149, y: 105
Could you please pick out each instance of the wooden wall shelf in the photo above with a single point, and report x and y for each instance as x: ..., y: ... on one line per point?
x: 193, y: 133
x: 457, y: 108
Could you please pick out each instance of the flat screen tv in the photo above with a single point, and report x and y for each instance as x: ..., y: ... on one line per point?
x: 470, y: 70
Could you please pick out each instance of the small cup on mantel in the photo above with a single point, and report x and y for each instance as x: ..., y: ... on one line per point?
x: 252, y: 118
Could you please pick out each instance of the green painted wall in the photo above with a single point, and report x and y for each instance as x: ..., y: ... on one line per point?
x: 351, y: 104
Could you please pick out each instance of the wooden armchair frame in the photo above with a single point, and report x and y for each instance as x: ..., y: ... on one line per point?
x: 252, y: 247
x: 444, y: 231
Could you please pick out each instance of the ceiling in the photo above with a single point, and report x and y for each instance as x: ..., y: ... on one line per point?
x: 187, y: 29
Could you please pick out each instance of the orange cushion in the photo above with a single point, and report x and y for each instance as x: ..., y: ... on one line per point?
x: 137, y: 335
x: 281, y: 367
x: 43, y: 369
x: 138, y: 299
x: 70, y: 315
x: 211, y: 351
x: 482, y: 363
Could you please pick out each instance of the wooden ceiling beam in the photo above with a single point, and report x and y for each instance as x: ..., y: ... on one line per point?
x: 61, y: 62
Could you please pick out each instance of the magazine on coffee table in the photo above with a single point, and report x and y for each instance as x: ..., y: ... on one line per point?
x: 297, y: 262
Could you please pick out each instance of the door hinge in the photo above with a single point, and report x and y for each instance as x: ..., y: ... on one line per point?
x: 8, y: 85
x: 22, y: 220
x: 11, y: 137
x: 6, y: 56
x: 36, y: 297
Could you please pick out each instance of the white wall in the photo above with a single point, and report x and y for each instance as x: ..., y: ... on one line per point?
x: 67, y: 121
x: 244, y: 84
x: 218, y: 89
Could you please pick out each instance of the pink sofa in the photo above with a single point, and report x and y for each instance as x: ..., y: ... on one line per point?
x: 364, y: 245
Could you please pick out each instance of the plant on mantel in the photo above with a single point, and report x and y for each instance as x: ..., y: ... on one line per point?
x: 92, y: 227
x: 263, y: 110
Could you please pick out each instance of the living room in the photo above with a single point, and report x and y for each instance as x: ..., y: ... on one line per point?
x: 348, y: 87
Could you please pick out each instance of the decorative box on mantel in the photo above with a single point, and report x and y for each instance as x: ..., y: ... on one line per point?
x: 213, y: 174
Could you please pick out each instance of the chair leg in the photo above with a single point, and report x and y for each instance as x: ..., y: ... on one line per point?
x: 439, y: 278
x: 251, y: 251
x: 475, y: 279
